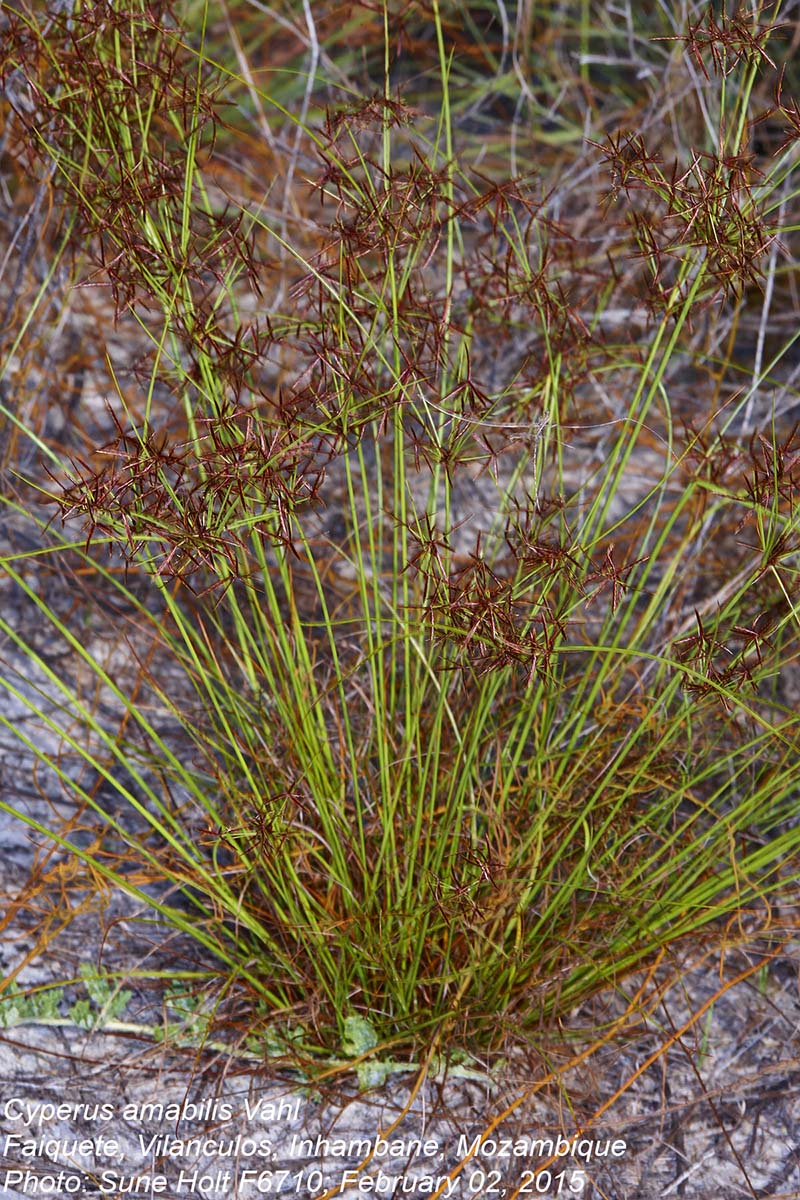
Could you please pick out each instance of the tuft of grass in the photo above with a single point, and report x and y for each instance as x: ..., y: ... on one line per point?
x: 453, y: 562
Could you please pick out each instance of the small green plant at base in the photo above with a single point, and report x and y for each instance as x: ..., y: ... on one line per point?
x: 102, y: 1008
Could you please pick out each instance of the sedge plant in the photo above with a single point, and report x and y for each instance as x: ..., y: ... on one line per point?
x: 456, y: 651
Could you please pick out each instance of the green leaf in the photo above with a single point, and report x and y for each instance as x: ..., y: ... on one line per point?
x: 17, y: 1008
x: 359, y: 1036
x: 372, y: 1074
x: 99, y: 988
x: 82, y: 1014
x: 117, y: 1005
x: 12, y: 1011
x: 43, y: 1006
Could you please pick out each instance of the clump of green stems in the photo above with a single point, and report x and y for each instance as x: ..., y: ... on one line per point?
x: 462, y: 726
